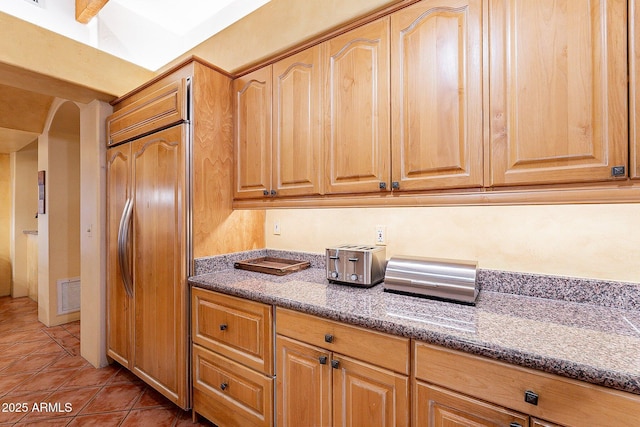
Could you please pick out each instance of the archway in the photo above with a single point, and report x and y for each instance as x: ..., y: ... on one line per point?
x: 59, y: 220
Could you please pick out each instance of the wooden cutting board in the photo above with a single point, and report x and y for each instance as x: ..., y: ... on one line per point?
x: 271, y: 265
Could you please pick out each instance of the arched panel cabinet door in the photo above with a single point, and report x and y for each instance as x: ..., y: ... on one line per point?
x: 252, y: 148
x: 558, y: 99
x: 436, y: 95
x: 297, y: 124
x: 158, y: 240
x: 357, y: 142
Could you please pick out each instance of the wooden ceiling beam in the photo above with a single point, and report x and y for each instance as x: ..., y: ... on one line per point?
x: 87, y: 9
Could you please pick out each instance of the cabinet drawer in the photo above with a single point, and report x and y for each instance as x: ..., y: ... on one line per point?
x: 228, y: 393
x: 239, y: 329
x: 380, y: 349
x: 560, y: 400
x: 435, y: 406
x: 162, y: 108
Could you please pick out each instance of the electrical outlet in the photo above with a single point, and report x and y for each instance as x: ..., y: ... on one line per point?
x: 276, y: 228
x: 381, y: 234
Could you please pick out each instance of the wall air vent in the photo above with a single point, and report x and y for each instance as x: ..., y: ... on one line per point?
x: 39, y: 3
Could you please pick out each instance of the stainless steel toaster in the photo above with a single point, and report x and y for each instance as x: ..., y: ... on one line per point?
x: 356, y: 265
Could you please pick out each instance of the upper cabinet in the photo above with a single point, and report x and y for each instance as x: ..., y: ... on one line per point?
x: 164, y: 107
x: 252, y: 148
x: 278, y: 128
x: 634, y: 88
x: 449, y: 102
x: 436, y: 95
x: 357, y: 147
x: 558, y: 98
x: 297, y: 124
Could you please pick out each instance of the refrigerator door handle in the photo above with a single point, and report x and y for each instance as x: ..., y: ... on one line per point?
x: 123, y: 240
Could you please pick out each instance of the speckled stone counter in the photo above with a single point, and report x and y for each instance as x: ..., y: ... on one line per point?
x: 591, y: 342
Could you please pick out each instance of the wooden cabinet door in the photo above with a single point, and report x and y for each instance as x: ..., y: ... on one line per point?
x: 634, y: 88
x: 365, y: 395
x: 436, y: 88
x: 252, y: 148
x: 357, y: 141
x: 118, y: 301
x: 436, y: 407
x: 303, y: 384
x: 297, y: 124
x: 163, y: 107
x: 558, y: 100
x: 160, y: 329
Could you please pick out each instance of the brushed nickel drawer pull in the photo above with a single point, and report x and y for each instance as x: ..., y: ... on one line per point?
x: 531, y: 397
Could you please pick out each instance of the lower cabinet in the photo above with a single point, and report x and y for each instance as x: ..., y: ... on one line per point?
x: 435, y: 406
x: 331, y: 374
x: 228, y: 393
x: 458, y: 389
x: 304, y: 393
x: 319, y: 372
x: 232, y: 359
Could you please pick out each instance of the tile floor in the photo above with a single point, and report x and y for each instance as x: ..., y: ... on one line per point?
x: 44, y: 381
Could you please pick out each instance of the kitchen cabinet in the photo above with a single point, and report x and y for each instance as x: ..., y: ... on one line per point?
x: 297, y: 124
x: 454, y: 384
x: 356, y: 119
x: 458, y: 102
x: 634, y: 89
x: 164, y: 107
x: 169, y: 199
x: 435, y: 406
x: 232, y: 359
x: 147, y: 266
x: 279, y: 133
x: 303, y: 384
x: 558, y: 99
x: 252, y: 148
x: 436, y: 95
x: 340, y: 374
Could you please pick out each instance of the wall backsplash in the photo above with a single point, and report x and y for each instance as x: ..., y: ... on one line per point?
x: 588, y: 241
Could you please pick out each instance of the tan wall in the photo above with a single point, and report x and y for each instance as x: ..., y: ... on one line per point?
x: 592, y: 241
x: 277, y: 26
x: 5, y: 224
x: 64, y: 205
x: 59, y: 227
x: 92, y: 226
x: 25, y: 206
x: 58, y: 60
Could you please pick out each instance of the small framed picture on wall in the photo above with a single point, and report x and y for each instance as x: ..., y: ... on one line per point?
x: 41, y: 192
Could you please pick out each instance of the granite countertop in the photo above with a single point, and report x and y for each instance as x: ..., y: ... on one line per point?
x: 588, y: 342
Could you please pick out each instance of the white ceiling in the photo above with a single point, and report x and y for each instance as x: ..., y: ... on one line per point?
x: 149, y: 33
